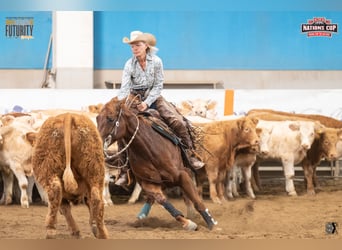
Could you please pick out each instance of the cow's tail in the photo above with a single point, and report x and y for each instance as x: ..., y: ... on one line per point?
x: 70, y: 183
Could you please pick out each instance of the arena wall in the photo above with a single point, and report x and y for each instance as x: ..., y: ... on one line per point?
x: 319, y: 101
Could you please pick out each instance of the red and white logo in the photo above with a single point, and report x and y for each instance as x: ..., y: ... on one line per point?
x: 319, y: 26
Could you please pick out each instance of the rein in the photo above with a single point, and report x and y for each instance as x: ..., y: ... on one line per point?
x: 108, y: 139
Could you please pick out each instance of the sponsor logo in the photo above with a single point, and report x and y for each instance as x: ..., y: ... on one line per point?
x: 19, y: 27
x: 319, y: 26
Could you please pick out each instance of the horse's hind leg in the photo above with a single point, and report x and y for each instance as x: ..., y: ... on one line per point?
x: 155, y: 191
x: 191, y: 192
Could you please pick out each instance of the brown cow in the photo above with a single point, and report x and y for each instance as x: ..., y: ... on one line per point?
x: 68, y: 162
x: 327, y: 146
x: 222, y: 140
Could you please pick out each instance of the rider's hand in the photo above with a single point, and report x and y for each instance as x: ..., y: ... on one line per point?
x: 142, y: 106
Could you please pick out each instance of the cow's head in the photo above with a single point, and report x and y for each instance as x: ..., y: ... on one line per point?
x: 264, y: 130
x: 198, y: 107
x: 307, y: 132
x: 329, y: 142
x: 247, y: 135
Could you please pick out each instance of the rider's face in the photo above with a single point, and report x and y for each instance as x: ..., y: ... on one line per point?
x: 139, y: 49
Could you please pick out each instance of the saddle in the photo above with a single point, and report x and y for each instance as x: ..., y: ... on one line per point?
x: 161, y: 127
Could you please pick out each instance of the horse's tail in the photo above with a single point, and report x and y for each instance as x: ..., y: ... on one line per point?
x: 70, y: 183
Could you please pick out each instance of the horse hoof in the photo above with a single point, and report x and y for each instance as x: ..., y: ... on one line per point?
x: 141, y: 216
x: 190, y: 226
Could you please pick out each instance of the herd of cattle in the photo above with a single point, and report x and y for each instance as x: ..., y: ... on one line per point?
x: 34, y: 151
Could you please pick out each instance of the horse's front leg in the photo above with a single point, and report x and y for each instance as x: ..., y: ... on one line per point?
x: 145, y: 210
x: 155, y: 191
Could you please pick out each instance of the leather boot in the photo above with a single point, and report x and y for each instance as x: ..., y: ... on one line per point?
x: 178, y: 125
x: 195, y: 160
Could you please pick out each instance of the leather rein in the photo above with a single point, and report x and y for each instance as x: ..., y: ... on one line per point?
x: 108, y: 140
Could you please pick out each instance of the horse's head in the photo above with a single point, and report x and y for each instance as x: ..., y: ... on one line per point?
x: 108, y: 120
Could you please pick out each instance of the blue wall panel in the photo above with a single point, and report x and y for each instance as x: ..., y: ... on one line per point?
x: 24, y: 53
x: 221, y: 39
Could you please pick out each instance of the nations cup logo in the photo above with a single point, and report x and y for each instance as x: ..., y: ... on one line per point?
x: 319, y: 26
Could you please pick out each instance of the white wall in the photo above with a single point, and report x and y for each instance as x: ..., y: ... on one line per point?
x: 319, y: 101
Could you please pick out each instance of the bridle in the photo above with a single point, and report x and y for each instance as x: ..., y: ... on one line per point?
x: 108, y: 139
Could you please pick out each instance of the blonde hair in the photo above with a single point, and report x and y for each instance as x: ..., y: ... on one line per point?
x: 151, y: 49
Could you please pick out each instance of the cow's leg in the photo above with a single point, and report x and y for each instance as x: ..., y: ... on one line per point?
x: 247, y: 175
x: 42, y: 193
x: 255, y: 178
x: 96, y: 213
x: 30, y: 180
x: 314, y: 176
x: 237, y: 179
x: 200, y: 178
x: 220, y: 185
x: 289, y: 175
x: 154, y: 190
x: 230, y: 183
x: 213, y: 179
x: 308, y: 174
x: 7, y: 179
x: 23, y: 183
x: 106, y: 194
x: 135, y: 194
x: 54, y: 193
x: 190, y: 191
x: 65, y: 210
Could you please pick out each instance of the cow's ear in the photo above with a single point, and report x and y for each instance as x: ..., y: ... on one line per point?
x: 187, y: 104
x: 7, y: 119
x: 240, y: 123
x: 31, y: 137
x: 258, y: 131
x: 319, y: 128
x: 211, y: 104
x: 294, y: 126
x: 255, y: 120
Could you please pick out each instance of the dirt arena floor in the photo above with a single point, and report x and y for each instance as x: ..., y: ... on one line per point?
x: 273, y: 215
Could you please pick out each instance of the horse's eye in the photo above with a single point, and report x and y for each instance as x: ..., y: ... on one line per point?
x: 110, y: 119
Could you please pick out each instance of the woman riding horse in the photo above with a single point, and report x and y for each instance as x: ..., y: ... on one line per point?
x: 156, y: 161
x: 143, y: 76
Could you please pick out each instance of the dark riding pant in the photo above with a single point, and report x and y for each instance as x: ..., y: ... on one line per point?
x: 173, y: 119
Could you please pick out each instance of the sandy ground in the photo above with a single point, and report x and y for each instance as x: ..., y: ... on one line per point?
x: 273, y: 215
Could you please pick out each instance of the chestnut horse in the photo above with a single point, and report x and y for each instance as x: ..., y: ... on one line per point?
x: 155, y: 161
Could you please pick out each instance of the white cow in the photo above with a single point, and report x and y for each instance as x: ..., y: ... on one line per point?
x: 198, y: 107
x: 15, y: 155
x: 284, y: 141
